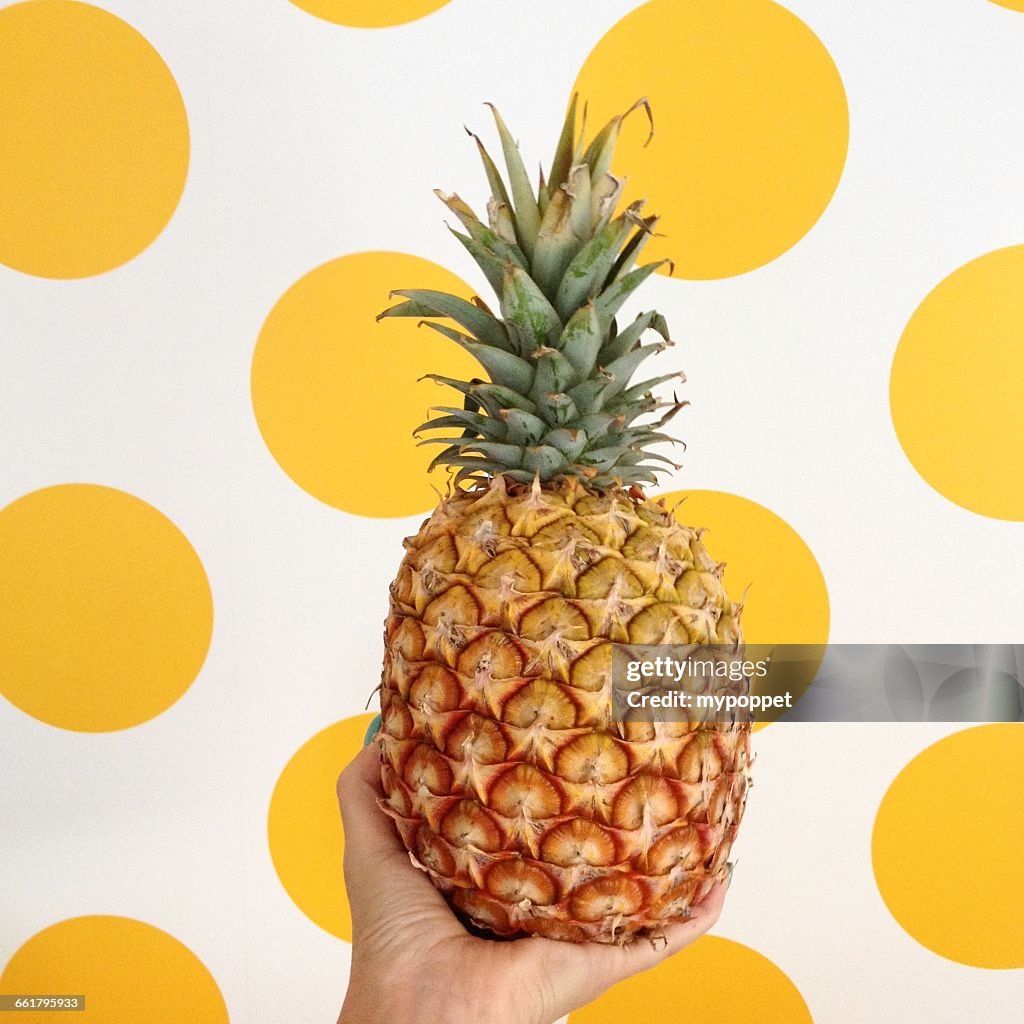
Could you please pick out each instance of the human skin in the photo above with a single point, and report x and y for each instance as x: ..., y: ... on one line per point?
x: 412, y: 960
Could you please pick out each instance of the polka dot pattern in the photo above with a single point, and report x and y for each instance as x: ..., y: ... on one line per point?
x: 788, y: 598
x: 127, y: 970
x: 337, y: 395
x: 108, y: 613
x: 947, y: 846
x: 765, y: 558
x: 304, y: 827
x: 692, y: 986
x: 95, y: 143
x: 751, y: 127
x: 955, y: 390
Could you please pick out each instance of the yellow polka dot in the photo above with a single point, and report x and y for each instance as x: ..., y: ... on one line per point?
x: 127, y: 970
x: 370, y: 13
x: 948, y: 843
x: 337, y: 395
x: 1013, y: 5
x: 788, y: 599
x: 712, y: 980
x: 105, y: 609
x: 304, y: 825
x: 751, y: 127
x: 95, y: 140
x: 955, y: 390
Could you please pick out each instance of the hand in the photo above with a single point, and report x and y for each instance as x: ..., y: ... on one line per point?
x: 412, y: 960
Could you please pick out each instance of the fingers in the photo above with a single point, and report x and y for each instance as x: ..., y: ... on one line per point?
x: 647, y: 953
x: 644, y: 953
x: 580, y: 973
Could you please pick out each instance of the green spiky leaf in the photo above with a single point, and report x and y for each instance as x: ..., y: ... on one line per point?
x: 485, y: 327
x: 527, y: 212
x: 529, y: 316
x: 562, y: 262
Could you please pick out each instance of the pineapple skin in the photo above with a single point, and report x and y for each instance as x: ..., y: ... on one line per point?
x: 508, y: 782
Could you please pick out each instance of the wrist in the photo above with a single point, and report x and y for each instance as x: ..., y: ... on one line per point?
x: 399, y: 1000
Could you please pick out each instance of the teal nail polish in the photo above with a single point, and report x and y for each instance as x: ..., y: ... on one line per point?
x: 372, y: 730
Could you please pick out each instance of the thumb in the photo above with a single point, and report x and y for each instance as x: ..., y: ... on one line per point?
x: 383, y: 885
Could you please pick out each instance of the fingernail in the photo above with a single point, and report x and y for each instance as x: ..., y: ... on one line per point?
x: 372, y: 730
x: 728, y: 878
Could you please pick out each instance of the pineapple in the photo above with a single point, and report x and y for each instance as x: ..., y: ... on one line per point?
x: 510, y: 784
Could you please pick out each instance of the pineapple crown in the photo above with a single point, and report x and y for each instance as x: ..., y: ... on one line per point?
x: 559, y: 403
